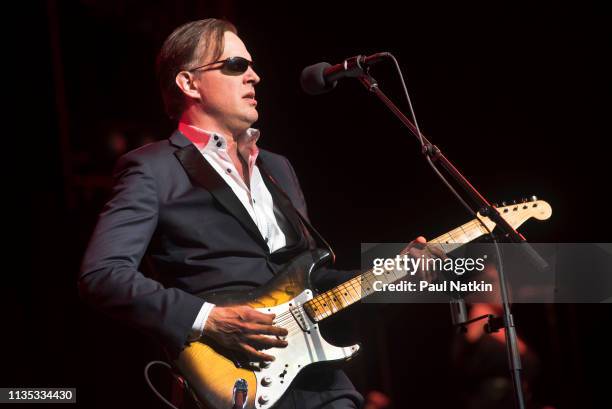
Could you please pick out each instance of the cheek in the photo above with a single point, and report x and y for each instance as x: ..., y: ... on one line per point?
x: 214, y: 96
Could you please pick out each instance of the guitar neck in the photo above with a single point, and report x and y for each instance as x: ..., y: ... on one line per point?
x: 353, y: 290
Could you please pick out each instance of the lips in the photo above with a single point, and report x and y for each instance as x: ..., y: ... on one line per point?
x: 251, y: 97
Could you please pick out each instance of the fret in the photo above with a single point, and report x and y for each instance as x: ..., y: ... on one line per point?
x: 349, y: 290
x: 338, y: 299
x: 354, y: 290
x: 368, y: 277
x: 334, y: 299
x: 328, y: 304
x: 318, y: 306
x: 343, y: 294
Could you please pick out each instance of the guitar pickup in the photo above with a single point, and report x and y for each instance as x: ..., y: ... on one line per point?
x: 300, y: 316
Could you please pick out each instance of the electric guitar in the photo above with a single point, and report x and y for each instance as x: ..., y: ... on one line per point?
x: 222, y: 380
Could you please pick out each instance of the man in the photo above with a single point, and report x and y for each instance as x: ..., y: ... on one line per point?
x: 210, y: 211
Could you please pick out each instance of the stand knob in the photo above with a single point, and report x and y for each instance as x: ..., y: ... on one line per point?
x: 266, y: 381
x: 264, y: 399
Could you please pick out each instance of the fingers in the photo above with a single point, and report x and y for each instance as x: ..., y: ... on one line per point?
x: 265, y: 342
x: 253, y: 328
x: 418, y: 243
x: 260, y: 323
x: 419, y: 248
x: 245, y: 329
x: 437, y: 251
x: 254, y: 354
x: 252, y: 315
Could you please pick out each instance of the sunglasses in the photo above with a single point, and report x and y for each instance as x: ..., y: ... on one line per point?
x: 233, y: 65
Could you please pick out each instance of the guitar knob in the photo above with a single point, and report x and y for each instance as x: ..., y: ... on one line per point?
x: 264, y: 399
x: 266, y: 381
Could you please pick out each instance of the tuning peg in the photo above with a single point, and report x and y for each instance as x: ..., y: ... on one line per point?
x: 504, y: 203
x: 534, y: 198
x: 514, y: 202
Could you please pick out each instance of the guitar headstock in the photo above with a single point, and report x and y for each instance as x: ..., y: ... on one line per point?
x: 518, y: 213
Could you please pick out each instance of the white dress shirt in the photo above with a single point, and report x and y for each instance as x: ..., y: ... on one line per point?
x: 255, y: 198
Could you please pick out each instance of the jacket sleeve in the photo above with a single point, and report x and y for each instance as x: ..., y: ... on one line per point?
x: 110, y: 279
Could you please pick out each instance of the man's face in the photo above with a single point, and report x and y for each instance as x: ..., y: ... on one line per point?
x: 228, y: 99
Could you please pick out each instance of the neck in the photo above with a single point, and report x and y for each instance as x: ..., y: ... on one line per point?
x: 353, y: 290
x: 199, y: 119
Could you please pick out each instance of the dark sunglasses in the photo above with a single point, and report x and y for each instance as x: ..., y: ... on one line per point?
x: 234, y: 65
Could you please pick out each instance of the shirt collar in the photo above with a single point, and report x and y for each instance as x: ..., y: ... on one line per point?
x: 210, y: 141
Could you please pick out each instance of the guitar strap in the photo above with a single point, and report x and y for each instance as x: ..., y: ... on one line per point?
x: 289, y: 204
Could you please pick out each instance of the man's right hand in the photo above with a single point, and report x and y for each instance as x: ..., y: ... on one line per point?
x: 245, y: 329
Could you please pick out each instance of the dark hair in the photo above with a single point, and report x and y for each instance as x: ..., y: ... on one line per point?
x: 187, y: 45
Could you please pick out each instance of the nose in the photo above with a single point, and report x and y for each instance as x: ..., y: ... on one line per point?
x: 251, y: 76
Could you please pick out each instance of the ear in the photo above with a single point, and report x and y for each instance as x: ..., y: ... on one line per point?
x: 185, y: 82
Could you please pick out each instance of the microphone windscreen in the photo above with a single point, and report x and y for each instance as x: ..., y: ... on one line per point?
x: 313, y: 79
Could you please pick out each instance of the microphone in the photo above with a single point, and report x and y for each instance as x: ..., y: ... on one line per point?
x: 322, y: 77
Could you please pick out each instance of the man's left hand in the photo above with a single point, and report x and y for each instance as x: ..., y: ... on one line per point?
x: 419, y: 248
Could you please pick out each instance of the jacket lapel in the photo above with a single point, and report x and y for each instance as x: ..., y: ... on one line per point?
x: 281, y: 199
x: 203, y: 174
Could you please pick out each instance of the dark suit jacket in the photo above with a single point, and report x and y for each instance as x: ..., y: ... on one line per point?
x: 168, y: 203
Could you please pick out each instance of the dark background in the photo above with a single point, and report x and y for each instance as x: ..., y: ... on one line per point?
x: 514, y: 93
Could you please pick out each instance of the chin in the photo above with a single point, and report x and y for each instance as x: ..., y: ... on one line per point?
x: 252, y: 118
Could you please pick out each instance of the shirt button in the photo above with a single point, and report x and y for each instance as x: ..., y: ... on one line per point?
x: 253, y: 200
x: 216, y: 137
x: 266, y: 239
x: 219, y: 144
x: 229, y: 170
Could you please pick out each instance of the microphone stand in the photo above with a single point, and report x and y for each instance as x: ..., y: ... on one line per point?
x: 509, y: 233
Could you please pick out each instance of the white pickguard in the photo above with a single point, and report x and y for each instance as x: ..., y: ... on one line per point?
x: 303, y: 349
